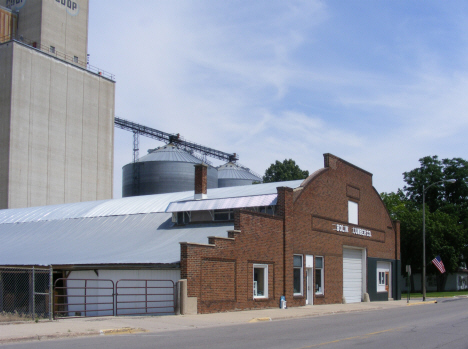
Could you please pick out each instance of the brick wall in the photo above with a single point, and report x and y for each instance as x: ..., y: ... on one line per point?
x: 220, y: 274
x: 201, y: 182
x: 322, y: 203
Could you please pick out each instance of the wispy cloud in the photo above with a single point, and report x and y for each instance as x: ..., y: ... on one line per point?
x: 379, y: 84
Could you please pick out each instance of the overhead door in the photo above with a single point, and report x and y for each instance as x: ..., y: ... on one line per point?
x: 352, y: 275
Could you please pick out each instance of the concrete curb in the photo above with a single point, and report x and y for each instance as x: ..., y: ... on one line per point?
x: 261, y: 319
x: 47, y: 337
x: 302, y: 316
x: 124, y: 330
x: 421, y: 303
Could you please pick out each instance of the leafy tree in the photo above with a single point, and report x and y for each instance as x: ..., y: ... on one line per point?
x: 284, y: 171
x: 396, y: 203
x: 429, y: 172
x: 448, y: 197
x: 444, y: 236
x: 402, y: 209
x: 456, y: 194
x: 446, y: 214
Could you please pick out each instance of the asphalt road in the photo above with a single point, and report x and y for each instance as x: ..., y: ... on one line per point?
x: 441, y: 325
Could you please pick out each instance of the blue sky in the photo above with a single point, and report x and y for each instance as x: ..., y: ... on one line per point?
x: 377, y: 83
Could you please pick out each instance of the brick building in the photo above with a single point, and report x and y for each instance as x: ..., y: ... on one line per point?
x: 331, y: 240
x: 325, y: 239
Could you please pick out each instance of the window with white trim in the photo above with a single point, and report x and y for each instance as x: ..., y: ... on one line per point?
x: 381, y: 278
x: 319, y: 275
x: 297, y: 263
x: 260, y: 281
x: 352, y: 212
x: 383, y: 273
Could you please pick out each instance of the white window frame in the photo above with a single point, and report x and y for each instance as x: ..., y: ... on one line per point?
x: 322, y: 274
x: 353, y: 212
x: 381, y: 278
x: 265, y: 281
x: 383, y: 268
x: 301, y: 271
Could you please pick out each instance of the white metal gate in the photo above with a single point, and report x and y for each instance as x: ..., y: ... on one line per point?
x: 352, y: 275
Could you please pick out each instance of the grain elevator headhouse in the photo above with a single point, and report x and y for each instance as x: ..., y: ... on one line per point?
x: 56, y: 111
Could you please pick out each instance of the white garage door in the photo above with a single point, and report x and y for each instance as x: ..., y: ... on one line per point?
x: 352, y: 275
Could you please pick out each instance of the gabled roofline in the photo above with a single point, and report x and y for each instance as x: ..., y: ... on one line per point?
x: 327, y: 156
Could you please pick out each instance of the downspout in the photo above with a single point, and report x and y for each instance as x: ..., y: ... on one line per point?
x: 396, y: 226
x: 284, y: 252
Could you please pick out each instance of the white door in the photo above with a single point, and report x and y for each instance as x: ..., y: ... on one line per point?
x: 384, y: 278
x: 352, y: 275
x: 310, y: 286
x: 310, y: 279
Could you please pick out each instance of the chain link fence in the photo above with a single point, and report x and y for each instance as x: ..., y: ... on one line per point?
x: 25, y: 293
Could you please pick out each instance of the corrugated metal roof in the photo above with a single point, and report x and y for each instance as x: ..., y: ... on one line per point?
x: 131, y: 205
x: 250, y: 190
x: 115, y: 207
x: 232, y: 171
x: 218, y: 204
x: 145, y: 238
x: 169, y: 152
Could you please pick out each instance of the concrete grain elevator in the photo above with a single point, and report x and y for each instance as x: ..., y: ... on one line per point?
x: 56, y: 111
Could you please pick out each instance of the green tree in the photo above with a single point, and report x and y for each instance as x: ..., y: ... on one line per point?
x: 444, y: 236
x: 446, y: 214
x: 284, y: 171
x: 451, y: 198
x: 404, y: 210
x: 430, y: 171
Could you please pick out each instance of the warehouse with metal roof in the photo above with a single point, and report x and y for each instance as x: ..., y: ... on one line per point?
x: 96, y: 246
x: 325, y: 239
x: 133, y: 230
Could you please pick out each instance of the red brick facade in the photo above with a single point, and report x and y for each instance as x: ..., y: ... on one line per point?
x: 220, y: 274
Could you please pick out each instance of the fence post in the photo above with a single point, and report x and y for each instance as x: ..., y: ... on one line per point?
x: 177, y: 298
x: 85, y: 294
x: 51, y: 292
x: 1, y: 291
x: 34, y: 293
x: 146, y: 296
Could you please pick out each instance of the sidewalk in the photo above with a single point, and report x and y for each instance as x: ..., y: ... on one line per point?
x: 66, y: 328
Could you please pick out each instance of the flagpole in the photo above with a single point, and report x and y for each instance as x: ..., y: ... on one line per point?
x: 424, y: 246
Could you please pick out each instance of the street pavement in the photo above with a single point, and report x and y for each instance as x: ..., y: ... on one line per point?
x: 11, y: 332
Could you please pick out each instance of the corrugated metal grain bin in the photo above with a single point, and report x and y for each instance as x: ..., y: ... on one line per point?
x: 233, y: 175
x: 167, y: 169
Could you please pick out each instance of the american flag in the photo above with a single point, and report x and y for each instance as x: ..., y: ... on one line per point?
x: 439, y: 264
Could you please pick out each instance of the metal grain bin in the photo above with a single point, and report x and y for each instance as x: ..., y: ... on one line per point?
x: 233, y: 175
x: 166, y: 169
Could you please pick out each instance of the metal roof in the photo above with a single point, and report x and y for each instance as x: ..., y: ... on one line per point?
x: 169, y: 152
x: 227, y: 203
x: 232, y: 171
x: 131, y: 205
x: 134, y: 239
x: 133, y: 230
